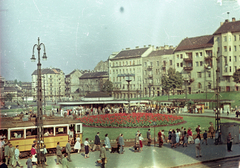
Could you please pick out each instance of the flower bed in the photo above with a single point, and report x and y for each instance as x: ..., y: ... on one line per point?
x: 131, y: 120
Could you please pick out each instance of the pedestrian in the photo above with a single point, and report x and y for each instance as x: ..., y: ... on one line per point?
x: 205, y: 137
x: 3, y: 165
x: 177, y: 136
x: 17, y: 153
x: 198, y: 129
x: 169, y: 135
x: 121, y: 143
x: 59, y: 153
x: 229, y: 142
x: 107, y: 142
x: 198, y: 146
x: 44, y: 155
x: 29, y: 161
x: 68, y: 150
x: 185, y: 138
x: 173, y: 139
x: 65, y: 162
x: 77, y: 144
x: 96, y: 142
x: 6, y: 149
x: 211, y: 129
x: 87, y: 148
x: 11, y: 155
x: 118, y: 145
x: 137, y: 146
x: 103, y: 156
x: 190, y: 136
x: 160, y: 140
x: 163, y: 136
x: 71, y: 135
x: 1, y: 149
x: 149, y: 137
x: 34, y: 153
x: 140, y: 141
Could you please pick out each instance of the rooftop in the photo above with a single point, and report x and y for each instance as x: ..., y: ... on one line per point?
x: 94, y: 75
x: 48, y: 71
x: 227, y: 26
x: 130, y: 53
x: 161, y: 52
x: 195, y: 43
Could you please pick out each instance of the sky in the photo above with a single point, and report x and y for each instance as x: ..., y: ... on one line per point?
x: 78, y: 34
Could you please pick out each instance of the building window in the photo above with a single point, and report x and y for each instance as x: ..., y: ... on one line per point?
x: 235, y: 68
x: 177, y: 56
x: 133, y: 62
x: 170, y: 62
x: 200, y: 54
x: 230, y: 58
x: 218, y: 50
x: 199, y: 74
x: 145, y: 64
x: 177, y: 64
x: 196, y: 54
x: 181, y: 56
x: 225, y: 38
x: 230, y: 69
x: 157, y: 63
x: 201, y: 63
x: 199, y: 85
x: 230, y: 48
x: 209, y: 74
x: 225, y: 48
x: 126, y: 63
x: 209, y: 85
x: 235, y: 58
x: 235, y: 48
x: 119, y: 63
x: 229, y: 38
x: 235, y: 38
x: 181, y: 64
x: 196, y: 63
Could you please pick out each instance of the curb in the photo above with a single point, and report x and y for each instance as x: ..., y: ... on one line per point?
x: 206, y: 161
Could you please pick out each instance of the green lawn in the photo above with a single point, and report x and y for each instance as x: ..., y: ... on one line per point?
x: 129, y: 133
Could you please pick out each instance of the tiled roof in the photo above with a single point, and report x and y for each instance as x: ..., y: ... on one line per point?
x: 94, y: 75
x: 10, y: 89
x: 48, y: 71
x: 195, y: 43
x: 228, y: 27
x: 97, y: 94
x: 130, y: 53
x: 161, y: 52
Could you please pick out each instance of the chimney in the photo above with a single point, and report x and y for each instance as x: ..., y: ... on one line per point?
x: 137, y: 46
x: 162, y: 48
x: 127, y: 48
x: 221, y: 23
x: 149, y: 45
x: 166, y: 47
x: 144, y: 46
x: 157, y: 47
x: 233, y: 19
x: 170, y: 47
x: 226, y: 20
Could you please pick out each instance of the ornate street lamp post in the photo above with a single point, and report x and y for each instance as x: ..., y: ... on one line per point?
x: 40, y: 138
x: 128, y: 81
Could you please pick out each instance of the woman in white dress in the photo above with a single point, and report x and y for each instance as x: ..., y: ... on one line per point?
x: 77, y: 144
x: 177, y: 136
x: 107, y: 142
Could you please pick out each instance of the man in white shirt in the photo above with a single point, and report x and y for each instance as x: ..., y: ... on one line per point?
x: 17, y: 153
x: 197, y: 146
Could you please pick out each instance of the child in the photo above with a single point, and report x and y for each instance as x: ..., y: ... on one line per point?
x: 205, y: 137
x: 29, y: 162
x: 65, y: 161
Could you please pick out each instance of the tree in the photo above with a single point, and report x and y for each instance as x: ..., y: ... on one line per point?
x: 172, y: 80
x: 8, y: 97
x: 107, y: 87
x: 236, y: 76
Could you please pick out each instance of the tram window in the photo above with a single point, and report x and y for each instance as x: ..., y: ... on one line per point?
x: 3, y: 133
x: 48, y: 131
x: 16, y: 134
x: 31, y: 132
x: 61, y: 130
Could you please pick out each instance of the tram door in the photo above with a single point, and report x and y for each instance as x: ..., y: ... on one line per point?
x: 78, y: 131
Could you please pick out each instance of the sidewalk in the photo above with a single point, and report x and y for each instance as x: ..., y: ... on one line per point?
x: 154, y: 157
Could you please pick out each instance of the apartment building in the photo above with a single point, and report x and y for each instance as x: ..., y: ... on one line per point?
x: 194, y: 60
x: 127, y: 65
x: 72, y: 84
x: 91, y: 82
x: 53, y: 84
x: 154, y: 66
x: 227, y: 53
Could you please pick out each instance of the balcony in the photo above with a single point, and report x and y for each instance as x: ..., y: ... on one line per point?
x: 188, y: 68
x: 189, y: 59
x: 208, y: 57
x: 150, y: 76
x: 149, y: 67
x: 189, y: 80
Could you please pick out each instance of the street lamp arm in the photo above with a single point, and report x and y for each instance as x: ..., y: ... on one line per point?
x: 35, y: 45
x: 43, y: 47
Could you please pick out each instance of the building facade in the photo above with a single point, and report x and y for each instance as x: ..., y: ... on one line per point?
x: 72, y: 84
x: 127, y: 65
x: 91, y: 82
x: 53, y: 84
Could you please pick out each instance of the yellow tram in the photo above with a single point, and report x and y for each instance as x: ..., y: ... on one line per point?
x: 24, y: 133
